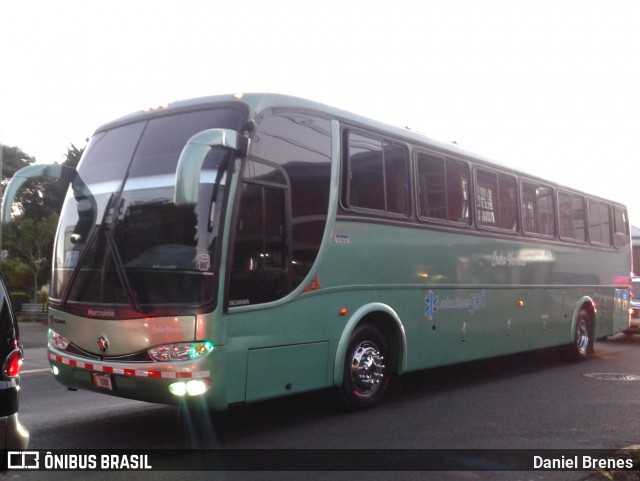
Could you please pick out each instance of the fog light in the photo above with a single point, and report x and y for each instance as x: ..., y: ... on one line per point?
x: 178, y: 389
x: 195, y: 387
x: 55, y: 370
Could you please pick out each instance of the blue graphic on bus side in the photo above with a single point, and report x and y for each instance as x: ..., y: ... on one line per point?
x: 475, y: 302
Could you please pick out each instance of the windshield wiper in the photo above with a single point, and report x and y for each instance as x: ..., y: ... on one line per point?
x: 106, y: 228
x: 120, y: 269
x: 108, y: 224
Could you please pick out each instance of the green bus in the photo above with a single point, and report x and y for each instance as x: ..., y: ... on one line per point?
x: 236, y: 248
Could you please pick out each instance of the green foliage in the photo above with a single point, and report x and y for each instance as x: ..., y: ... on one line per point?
x: 38, y: 198
x: 31, y: 241
x: 42, y: 297
x: 13, y: 159
x: 28, y: 239
x: 54, y: 190
x: 19, y: 298
x: 17, y: 274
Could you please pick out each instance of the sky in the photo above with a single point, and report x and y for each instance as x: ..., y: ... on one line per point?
x: 551, y: 87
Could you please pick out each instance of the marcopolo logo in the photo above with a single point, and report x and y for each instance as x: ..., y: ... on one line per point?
x: 476, y: 301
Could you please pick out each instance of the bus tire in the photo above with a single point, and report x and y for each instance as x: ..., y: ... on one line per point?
x: 582, y: 337
x: 367, y: 373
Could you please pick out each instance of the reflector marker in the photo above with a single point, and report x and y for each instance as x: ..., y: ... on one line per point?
x: 130, y: 372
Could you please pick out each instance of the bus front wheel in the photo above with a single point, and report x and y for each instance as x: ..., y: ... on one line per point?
x: 367, y: 372
x: 582, y: 337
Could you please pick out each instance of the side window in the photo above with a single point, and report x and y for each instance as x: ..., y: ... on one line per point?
x: 261, y: 251
x: 621, y: 226
x: 571, y: 217
x: 377, y: 174
x: 599, y: 223
x: 496, y: 200
x: 443, y: 188
x: 538, y: 209
x: 283, y: 200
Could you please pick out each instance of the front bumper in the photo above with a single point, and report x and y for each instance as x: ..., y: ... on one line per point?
x: 148, y: 382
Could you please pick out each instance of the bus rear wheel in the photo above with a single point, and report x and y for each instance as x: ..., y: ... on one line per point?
x: 367, y: 373
x: 582, y: 337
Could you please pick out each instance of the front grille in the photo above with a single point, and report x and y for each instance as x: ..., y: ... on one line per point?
x: 142, y: 356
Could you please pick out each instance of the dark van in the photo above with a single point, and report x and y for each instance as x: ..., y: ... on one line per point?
x: 12, y: 434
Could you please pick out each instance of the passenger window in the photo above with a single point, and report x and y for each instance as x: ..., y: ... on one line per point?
x: 572, y: 217
x: 621, y: 226
x: 496, y: 200
x: 443, y: 188
x: 599, y: 223
x: 538, y: 209
x: 377, y: 175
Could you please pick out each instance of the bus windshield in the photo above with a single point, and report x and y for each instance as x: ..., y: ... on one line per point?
x: 142, y: 250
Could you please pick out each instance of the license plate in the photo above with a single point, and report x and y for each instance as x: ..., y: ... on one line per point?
x: 102, y: 381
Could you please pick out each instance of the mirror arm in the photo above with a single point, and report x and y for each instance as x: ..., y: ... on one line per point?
x: 52, y: 171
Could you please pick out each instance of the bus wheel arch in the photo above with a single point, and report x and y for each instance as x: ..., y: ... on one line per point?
x: 583, y: 329
x: 371, y: 353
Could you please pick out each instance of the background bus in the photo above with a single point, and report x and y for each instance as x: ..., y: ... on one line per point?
x: 237, y: 248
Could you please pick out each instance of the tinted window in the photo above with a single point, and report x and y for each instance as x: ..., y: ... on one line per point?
x: 168, y: 253
x: 108, y: 154
x: 377, y: 175
x: 538, y: 209
x: 283, y: 202
x: 599, y: 223
x: 7, y: 326
x: 443, y: 188
x: 158, y: 151
x: 571, y: 216
x: 496, y: 200
x: 621, y: 224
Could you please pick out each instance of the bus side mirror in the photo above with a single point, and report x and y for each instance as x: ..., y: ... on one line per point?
x: 193, y: 155
x: 54, y: 171
x: 86, y: 202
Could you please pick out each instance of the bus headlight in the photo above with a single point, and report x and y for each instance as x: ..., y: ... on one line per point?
x: 57, y: 341
x: 184, y: 351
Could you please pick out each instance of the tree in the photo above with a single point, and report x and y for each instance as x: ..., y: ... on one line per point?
x: 17, y: 275
x: 31, y: 241
x: 38, y: 198
x: 30, y: 235
x: 13, y: 159
x: 74, y: 154
x: 54, y: 190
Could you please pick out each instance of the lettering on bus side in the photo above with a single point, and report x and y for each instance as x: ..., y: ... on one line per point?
x: 511, y: 259
x: 239, y: 302
x: 342, y: 238
x: 476, y: 301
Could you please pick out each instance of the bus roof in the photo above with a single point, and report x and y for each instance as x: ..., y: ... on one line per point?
x: 254, y: 103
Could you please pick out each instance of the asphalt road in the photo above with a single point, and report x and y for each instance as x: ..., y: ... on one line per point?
x: 531, y: 401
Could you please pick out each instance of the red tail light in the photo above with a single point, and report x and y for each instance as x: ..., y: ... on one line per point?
x: 13, y: 364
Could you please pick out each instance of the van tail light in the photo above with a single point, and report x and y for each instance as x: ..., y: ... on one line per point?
x: 13, y: 364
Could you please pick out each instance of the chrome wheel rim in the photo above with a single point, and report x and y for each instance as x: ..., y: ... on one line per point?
x: 582, y: 337
x: 367, y: 368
